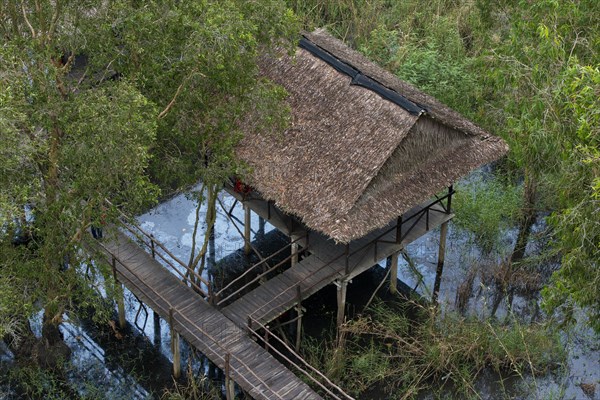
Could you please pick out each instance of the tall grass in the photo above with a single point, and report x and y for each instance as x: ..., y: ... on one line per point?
x: 430, y: 44
x: 387, y: 349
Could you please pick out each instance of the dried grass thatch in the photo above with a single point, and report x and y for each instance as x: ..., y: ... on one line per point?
x: 351, y: 160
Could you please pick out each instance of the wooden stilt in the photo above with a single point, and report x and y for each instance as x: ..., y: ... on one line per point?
x: 175, y: 348
x: 212, y: 249
x: 231, y: 389
x: 341, y: 300
x: 299, y: 320
x: 440, y: 263
x: 119, y: 294
x: 157, y: 334
x: 176, y: 354
x: 229, y: 393
x: 121, y: 306
x: 394, y: 273
x: 247, y: 230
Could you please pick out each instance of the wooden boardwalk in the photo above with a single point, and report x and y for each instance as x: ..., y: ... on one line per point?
x: 325, y: 264
x: 203, y: 326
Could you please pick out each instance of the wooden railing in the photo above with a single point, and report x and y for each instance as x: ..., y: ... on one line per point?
x: 156, y: 248
x: 174, y: 314
x: 266, y: 270
x: 347, y: 254
x: 324, y: 383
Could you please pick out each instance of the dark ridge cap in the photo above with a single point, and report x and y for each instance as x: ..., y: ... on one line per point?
x: 359, y: 79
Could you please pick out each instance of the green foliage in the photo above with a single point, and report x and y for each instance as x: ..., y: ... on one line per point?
x: 115, y: 100
x: 427, y: 44
x: 36, y: 383
x: 197, y: 62
x: 449, y: 80
x: 196, y: 388
x: 487, y: 208
x: 399, y: 353
x: 577, y: 227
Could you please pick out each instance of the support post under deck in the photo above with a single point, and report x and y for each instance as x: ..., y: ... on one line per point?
x: 341, y: 303
x: 175, y: 348
x: 247, y: 230
x: 440, y: 263
x: 442, y: 250
x: 121, y: 305
x: 120, y: 293
x: 157, y: 334
x: 394, y: 273
x: 299, y: 320
x: 261, y: 226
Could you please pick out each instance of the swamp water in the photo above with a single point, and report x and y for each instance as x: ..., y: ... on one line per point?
x: 136, y: 363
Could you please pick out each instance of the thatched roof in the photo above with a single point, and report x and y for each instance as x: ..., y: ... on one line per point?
x: 360, y: 151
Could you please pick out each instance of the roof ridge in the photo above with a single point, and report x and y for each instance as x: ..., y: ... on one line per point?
x: 360, y: 79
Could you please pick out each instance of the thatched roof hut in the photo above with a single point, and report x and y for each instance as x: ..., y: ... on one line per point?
x: 363, y: 146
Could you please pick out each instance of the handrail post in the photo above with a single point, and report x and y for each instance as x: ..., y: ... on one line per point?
x: 114, y: 268
x: 211, y: 297
x: 449, y: 203
x: 427, y: 218
x: 152, y: 246
x: 250, y: 323
x: 399, y: 230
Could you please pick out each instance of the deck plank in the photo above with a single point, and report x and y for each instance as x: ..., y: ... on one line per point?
x: 252, y: 367
x: 324, y: 265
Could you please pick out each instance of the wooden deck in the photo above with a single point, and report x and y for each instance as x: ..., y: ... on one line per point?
x: 203, y: 326
x: 325, y: 264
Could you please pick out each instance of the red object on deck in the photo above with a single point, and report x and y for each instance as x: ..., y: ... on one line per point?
x: 241, y: 187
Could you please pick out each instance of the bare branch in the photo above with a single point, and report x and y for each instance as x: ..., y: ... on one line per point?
x: 164, y: 112
x: 33, y: 34
x: 56, y: 14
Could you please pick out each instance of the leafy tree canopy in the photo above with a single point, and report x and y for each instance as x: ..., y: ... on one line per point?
x: 115, y: 100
